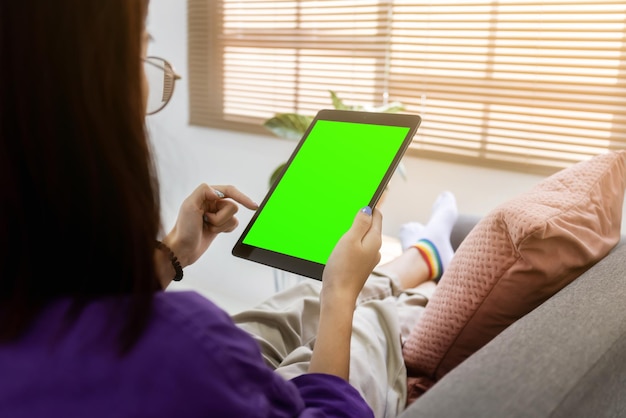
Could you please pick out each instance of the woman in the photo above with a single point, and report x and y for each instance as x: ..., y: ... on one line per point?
x: 85, y: 327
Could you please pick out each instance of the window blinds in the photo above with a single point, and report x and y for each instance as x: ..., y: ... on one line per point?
x: 527, y: 85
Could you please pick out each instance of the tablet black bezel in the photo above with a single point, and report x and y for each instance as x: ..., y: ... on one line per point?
x: 301, y: 266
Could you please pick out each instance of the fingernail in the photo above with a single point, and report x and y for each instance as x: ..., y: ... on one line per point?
x: 218, y: 194
x: 367, y: 210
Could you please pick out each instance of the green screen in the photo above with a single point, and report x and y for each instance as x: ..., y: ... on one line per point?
x: 335, y: 173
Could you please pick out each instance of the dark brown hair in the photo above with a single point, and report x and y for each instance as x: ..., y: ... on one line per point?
x: 80, y: 205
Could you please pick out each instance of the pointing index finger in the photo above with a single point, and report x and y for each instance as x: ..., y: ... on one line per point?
x: 233, y: 193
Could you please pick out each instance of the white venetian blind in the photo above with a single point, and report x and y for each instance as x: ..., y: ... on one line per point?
x: 530, y: 85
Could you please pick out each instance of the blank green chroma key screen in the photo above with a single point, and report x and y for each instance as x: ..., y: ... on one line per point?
x: 335, y: 173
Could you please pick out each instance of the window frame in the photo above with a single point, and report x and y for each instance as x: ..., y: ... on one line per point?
x: 207, y: 92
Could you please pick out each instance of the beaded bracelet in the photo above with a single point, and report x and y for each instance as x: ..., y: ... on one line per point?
x: 175, y: 263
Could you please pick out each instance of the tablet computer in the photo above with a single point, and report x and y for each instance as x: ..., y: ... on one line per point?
x: 342, y: 163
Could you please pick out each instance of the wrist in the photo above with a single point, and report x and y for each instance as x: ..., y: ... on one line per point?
x: 172, y: 259
x: 340, y: 303
x: 340, y: 295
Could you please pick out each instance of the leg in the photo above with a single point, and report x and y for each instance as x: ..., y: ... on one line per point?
x: 409, y: 269
x: 377, y: 367
x: 285, y: 327
x: 284, y: 322
x: 432, y: 241
x: 289, y: 319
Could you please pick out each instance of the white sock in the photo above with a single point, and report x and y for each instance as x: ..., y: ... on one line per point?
x: 409, y: 234
x: 439, y: 227
x: 436, y: 233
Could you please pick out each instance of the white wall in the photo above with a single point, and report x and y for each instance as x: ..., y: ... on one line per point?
x: 189, y: 155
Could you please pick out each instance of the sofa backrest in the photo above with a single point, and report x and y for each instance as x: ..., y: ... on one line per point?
x: 566, y: 358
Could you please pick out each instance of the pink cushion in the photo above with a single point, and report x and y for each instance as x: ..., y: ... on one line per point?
x: 516, y: 257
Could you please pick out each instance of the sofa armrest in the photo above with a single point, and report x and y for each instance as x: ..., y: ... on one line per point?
x: 462, y: 227
x: 566, y: 358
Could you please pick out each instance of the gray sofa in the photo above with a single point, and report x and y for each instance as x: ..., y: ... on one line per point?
x: 566, y: 358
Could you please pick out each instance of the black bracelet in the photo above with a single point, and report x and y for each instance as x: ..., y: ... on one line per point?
x: 175, y: 263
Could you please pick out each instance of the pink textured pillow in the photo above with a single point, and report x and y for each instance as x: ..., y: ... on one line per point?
x: 516, y: 257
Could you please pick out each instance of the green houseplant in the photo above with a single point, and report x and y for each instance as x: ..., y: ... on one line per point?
x: 293, y: 125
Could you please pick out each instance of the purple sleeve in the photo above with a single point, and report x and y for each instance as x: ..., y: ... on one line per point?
x: 332, y: 395
x: 239, y: 383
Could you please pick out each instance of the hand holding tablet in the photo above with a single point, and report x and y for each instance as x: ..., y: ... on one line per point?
x: 343, y: 163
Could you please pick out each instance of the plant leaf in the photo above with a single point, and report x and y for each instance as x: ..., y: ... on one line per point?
x: 340, y: 105
x: 337, y: 102
x: 393, y: 107
x: 292, y: 126
x: 276, y: 173
x: 288, y: 125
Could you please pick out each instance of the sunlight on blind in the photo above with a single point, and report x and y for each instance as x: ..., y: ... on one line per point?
x: 534, y: 85
x: 285, y: 56
x: 519, y: 81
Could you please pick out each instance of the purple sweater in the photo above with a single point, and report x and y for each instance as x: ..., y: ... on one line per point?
x: 192, y: 361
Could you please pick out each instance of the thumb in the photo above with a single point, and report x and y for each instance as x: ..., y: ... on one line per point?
x: 361, y: 223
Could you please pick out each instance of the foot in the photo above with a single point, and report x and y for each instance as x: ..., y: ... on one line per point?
x: 433, y: 241
x: 409, y: 234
